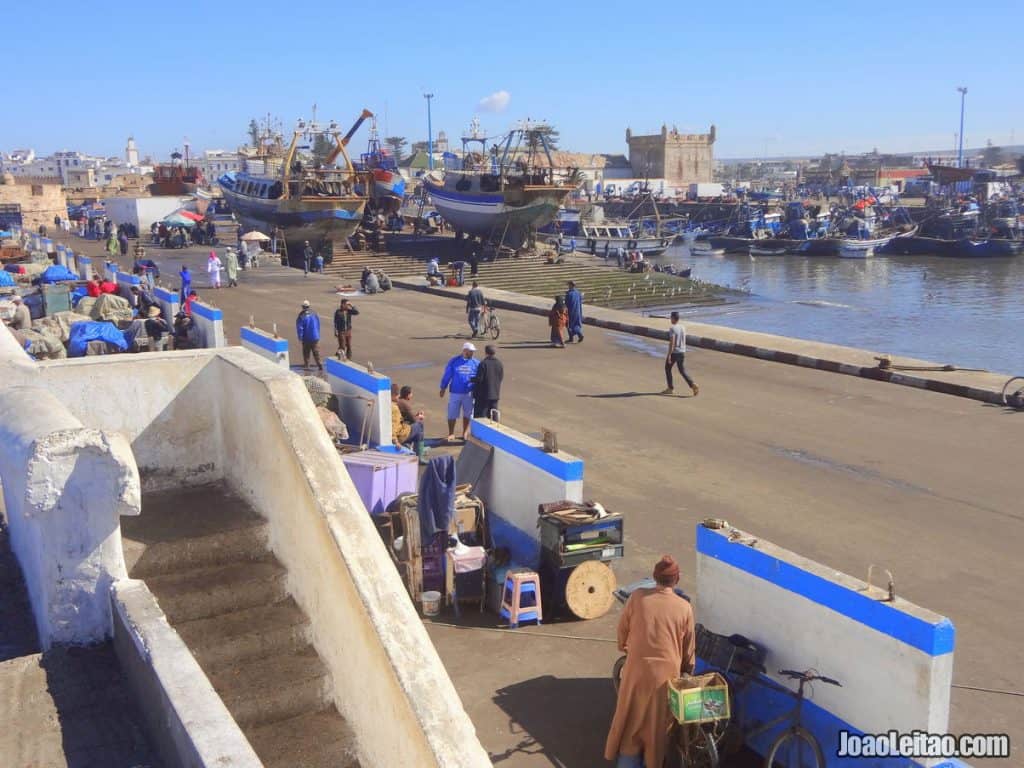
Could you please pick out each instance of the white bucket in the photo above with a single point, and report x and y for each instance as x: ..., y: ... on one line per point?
x: 431, y: 603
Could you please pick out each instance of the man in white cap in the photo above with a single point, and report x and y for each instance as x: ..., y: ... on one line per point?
x: 307, y: 328
x: 458, y: 380
x: 22, y: 320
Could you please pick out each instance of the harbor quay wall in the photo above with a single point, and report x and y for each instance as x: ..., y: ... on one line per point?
x: 519, y: 476
x: 209, y: 324
x: 364, y: 400
x: 65, y: 487
x: 984, y: 386
x: 185, y: 718
x: 894, y: 659
x: 170, y: 302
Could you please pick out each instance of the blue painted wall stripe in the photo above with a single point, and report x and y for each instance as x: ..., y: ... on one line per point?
x: 126, y: 277
x: 263, y: 341
x: 934, y: 639
x: 550, y: 463
x: 357, y: 377
x: 209, y: 313
x: 84, y: 259
x: 164, y: 295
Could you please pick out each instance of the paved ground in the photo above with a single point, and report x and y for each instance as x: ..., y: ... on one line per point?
x: 842, y: 470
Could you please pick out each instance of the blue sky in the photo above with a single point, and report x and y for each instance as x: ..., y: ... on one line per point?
x: 779, y: 78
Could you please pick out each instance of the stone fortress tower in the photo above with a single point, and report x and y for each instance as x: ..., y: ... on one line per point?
x: 679, y: 158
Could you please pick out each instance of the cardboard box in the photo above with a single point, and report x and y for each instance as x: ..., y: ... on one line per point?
x: 699, y: 698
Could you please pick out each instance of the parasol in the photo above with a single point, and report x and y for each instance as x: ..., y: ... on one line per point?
x: 250, y: 236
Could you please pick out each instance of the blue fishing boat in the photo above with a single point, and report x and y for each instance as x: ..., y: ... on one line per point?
x: 388, y: 187
x: 279, y: 190
x: 507, y: 197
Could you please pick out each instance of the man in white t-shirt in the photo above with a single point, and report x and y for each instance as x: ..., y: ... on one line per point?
x: 676, y: 355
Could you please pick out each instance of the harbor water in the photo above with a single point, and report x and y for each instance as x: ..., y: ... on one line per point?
x: 965, y: 312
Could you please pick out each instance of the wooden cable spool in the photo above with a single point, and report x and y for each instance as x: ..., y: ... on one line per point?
x: 590, y: 589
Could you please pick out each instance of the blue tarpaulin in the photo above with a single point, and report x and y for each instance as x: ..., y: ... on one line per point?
x: 6, y: 280
x: 78, y: 294
x: 58, y: 273
x: 82, y: 333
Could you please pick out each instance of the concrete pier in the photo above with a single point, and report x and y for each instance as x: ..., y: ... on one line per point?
x: 844, y: 470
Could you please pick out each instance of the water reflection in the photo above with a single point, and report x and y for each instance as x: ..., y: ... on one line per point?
x: 963, y: 311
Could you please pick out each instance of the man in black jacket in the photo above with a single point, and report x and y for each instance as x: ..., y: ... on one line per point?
x: 487, y: 384
x: 343, y: 327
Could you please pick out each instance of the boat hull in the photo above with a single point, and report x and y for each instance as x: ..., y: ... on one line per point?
x: 492, y: 217
x: 316, y: 220
x: 388, y: 184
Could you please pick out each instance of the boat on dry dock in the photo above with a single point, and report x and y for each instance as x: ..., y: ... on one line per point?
x: 502, y: 197
x: 282, y: 189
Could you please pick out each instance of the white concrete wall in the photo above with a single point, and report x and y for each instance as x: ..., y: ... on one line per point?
x: 85, y: 268
x: 363, y: 398
x: 519, y: 477
x: 141, y: 211
x: 389, y: 682
x: 65, y: 488
x: 266, y: 345
x: 209, y: 323
x: 169, y: 302
x: 894, y: 659
x: 185, y: 718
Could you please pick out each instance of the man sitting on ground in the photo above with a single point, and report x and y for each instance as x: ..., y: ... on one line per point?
x: 406, y: 425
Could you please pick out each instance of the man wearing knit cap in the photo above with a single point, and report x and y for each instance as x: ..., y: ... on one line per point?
x: 656, y: 631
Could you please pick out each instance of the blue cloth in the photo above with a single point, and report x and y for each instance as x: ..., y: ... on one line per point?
x: 56, y: 274
x: 77, y: 295
x: 574, y: 303
x: 459, y: 374
x: 437, y: 496
x: 82, y: 333
x: 307, y: 326
x: 6, y: 280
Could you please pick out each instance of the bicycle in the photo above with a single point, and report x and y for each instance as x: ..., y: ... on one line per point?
x: 489, y: 322
x: 794, y: 735
x: 1013, y: 393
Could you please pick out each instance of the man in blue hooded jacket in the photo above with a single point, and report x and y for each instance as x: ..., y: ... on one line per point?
x: 307, y: 328
x: 574, y: 303
x: 458, y: 380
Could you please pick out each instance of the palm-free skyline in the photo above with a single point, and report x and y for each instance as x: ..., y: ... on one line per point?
x: 784, y: 80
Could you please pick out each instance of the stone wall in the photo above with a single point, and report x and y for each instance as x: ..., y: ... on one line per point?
x: 40, y: 200
x: 680, y: 158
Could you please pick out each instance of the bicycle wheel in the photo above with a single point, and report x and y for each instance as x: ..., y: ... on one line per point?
x: 1013, y: 393
x: 494, y: 326
x: 697, y: 747
x: 795, y: 748
x: 617, y: 673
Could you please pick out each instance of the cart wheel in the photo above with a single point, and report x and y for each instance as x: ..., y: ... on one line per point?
x: 1013, y: 393
x: 590, y: 589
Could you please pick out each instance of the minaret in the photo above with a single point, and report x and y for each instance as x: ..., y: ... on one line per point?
x: 131, y: 152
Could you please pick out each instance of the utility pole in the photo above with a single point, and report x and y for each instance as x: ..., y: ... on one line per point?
x: 430, y: 134
x: 960, y: 150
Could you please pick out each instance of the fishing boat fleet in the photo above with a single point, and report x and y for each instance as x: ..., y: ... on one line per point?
x: 866, y: 228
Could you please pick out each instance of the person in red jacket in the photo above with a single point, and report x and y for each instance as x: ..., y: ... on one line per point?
x: 92, y: 288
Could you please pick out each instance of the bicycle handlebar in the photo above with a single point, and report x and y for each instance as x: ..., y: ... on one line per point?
x: 808, y: 676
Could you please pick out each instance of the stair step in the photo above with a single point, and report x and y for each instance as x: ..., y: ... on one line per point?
x: 247, y: 543
x: 246, y: 634
x: 313, y: 740
x: 204, y: 592
x: 274, y: 688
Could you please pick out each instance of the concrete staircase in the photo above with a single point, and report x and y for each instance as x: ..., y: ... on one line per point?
x: 602, y: 284
x: 203, y: 553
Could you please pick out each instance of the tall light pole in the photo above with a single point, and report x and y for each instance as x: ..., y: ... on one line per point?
x: 430, y: 133
x: 960, y: 151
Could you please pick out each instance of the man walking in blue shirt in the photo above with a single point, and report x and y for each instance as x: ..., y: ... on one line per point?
x: 458, y: 380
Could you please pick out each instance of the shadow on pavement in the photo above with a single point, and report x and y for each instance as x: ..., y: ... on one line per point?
x: 626, y: 394
x: 17, y: 626
x: 563, y: 719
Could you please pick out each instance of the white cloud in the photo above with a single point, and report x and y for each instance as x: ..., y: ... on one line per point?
x: 496, y: 102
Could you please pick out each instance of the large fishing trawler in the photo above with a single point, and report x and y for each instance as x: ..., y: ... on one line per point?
x: 504, y: 195
x: 287, y: 189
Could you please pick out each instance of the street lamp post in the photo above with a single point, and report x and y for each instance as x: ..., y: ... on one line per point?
x: 960, y: 150
x: 430, y: 134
